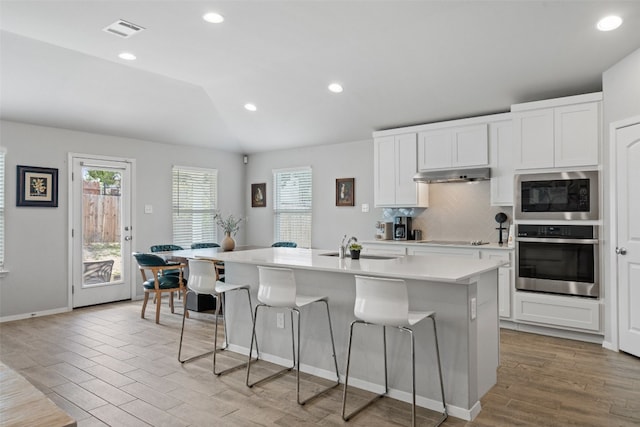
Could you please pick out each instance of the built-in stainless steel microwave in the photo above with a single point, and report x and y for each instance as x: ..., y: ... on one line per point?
x: 557, y: 196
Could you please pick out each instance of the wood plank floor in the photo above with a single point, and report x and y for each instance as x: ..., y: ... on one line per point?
x: 105, y: 365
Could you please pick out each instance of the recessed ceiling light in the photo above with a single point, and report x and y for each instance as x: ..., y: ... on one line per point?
x: 335, y: 87
x: 250, y: 107
x: 609, y: 23
x: 127, y: 56
x: 214, y: 18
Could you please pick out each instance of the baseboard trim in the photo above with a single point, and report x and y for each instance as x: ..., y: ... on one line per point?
x: 552, y: 332
x: 35, y: 314
x: 434, y: 405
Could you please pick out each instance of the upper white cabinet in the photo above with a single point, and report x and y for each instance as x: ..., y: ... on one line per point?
x: 563, y: 132
x: 501, y: 139
x: 395, y: 164
x: 453, y: 147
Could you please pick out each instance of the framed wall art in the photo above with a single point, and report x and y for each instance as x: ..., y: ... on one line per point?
x: 37, y: 187
x: 345, y: 191
x: 259, y: 195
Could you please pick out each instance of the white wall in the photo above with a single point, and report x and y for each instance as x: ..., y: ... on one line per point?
x: 621, y: 88
x: 37, y: 238
x: 330, y: 223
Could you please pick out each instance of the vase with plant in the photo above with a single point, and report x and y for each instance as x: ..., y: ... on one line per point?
x: 355, y: 249
x: 230, y: 225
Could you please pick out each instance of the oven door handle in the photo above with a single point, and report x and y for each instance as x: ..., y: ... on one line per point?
x: 576, y: 241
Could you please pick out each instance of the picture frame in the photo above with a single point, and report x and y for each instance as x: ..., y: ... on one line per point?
x: 345, y: 192
x: 36, y: 186
x: 259, y: 195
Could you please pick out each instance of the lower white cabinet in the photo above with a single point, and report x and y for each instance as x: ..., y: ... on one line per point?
x: 556, y: 310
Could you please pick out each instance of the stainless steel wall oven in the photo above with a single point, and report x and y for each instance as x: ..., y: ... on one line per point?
x: 559, y: 259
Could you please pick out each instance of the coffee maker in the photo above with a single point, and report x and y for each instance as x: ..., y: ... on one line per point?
x: 402, y: 228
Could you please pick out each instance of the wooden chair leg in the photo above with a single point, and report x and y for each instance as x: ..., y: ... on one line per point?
x: 144, y: 303
x: 171, y: 301
x: 158, y: 304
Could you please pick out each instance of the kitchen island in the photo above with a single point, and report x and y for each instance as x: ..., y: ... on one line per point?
x: 463, y: 293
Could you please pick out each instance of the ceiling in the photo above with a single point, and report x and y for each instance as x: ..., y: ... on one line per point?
x: 400, y: 62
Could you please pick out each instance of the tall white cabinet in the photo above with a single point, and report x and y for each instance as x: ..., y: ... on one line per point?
x: 395, y: 164
x: 557, y: 133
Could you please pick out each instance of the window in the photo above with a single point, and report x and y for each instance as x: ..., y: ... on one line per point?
x: 292, y: 206
x: 195, y: 197
x: 1, y: 208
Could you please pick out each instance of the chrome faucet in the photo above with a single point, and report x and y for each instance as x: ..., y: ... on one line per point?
x: 343, y: 247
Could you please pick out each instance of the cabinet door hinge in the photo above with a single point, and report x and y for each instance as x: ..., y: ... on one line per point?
x: 73, y: 289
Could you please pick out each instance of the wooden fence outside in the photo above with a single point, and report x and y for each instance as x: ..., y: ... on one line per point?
x: 101, y: 222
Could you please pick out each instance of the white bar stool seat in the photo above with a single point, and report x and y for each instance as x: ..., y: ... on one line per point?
x: 203, y: 279
x: 277, y: 288
x: 385, y: 302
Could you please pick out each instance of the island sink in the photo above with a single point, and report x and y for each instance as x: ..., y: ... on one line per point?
x: 361, y: 256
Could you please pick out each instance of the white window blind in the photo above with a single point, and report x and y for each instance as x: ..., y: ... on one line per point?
x: 195, y: 197
x: 1, y: 208
x: 292, y: 205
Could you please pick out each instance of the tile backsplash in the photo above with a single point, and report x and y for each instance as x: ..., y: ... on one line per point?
x: 461, y: 211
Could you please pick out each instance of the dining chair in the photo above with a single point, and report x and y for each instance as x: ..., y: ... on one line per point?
x: 159, y: 283
x: 204, y: 245
x: 385, y: 302
x: 284, y: 245
x: 165, y: 248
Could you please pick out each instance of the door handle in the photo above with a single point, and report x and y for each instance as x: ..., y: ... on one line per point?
x: 127, y: 238
x: 621, y: 251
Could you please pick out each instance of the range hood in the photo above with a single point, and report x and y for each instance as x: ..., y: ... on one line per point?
x: 456, y: 175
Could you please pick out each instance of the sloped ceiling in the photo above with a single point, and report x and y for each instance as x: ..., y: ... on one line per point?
x: 400, y: 62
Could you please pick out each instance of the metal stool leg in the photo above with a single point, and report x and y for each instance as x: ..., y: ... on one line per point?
x: 253, y: 338
x: 333, y: 346
x: 221, y: 303
x: 184, y: 315
x: 444, y: 405
x: 346, y: 378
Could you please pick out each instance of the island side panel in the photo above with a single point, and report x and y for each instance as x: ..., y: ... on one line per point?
x: 455, y: 331
x: 488, y: 332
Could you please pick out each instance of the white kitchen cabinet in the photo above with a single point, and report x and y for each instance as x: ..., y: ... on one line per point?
x: 502, y: 168
x: 454, y: 147
x: 394, y: 166
x: 577, y: 135
x: 558, y: 133
x: 557, y: 310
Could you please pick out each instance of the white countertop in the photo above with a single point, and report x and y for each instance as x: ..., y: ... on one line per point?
x: 436, y: 268
x: 491, y: 245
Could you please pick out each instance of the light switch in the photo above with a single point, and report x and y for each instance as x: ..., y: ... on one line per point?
x: 365, y: 207
x: 148, y: 209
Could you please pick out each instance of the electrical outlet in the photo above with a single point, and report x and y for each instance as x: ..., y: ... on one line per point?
x: 474, y: 308
x: 280, y: 320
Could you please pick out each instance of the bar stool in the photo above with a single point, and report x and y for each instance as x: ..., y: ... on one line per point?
x: 277, y: 288
x: 385, y: 302
x: 203, y: 279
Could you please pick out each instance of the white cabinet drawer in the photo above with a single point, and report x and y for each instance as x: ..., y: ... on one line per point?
x: 557, y: 311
